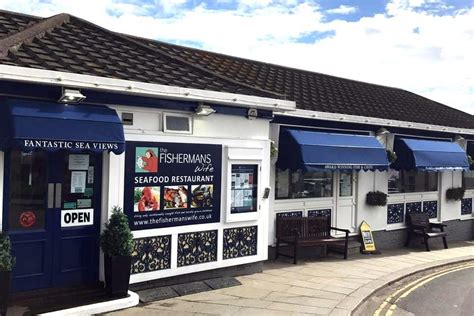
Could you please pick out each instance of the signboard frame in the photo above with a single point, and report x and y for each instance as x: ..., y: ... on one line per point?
x: 170, y: 184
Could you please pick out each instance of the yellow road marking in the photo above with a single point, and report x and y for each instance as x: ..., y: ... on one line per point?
x: 409, y: 288
x: 431, y: 279
x: 390, y: 297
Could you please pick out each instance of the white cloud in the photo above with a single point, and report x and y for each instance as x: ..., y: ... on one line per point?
x: 435, y: 61
x: 342, y: 9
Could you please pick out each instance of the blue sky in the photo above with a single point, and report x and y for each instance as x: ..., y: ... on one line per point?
x: 424, y: 46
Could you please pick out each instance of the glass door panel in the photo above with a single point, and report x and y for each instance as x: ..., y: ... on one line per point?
x: 345, y: 184
x: 28, y: 191
x: 79, y: 181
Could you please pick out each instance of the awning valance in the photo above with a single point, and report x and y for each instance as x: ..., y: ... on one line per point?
x: 431, y: 155
x: 313, y: 151
x: 32, y: 125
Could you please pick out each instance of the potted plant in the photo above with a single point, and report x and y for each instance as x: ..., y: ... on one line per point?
x: 376, y: 198
x: 391, y: 156
x: 455, y: 194
x: 116, y: 242
x: 7, y: 261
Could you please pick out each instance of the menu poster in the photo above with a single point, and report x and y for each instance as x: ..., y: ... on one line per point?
x: 172, y: 184
x: 244, y: 188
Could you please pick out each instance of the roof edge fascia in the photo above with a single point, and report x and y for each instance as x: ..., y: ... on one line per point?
x: 59, y: 78
x: 381, y: 122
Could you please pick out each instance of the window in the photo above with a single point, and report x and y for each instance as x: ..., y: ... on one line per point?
x: 468, y: 180
x: 28, y: 190
x: 127, y: 118
x: 411, y: 181
x: 177, y: 123
x: 345, y: 184
x: 82, y: 175
x: 244, y: 189
x: 301, y: 184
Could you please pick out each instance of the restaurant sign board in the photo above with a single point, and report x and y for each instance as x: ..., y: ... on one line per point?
x: 172, y: 184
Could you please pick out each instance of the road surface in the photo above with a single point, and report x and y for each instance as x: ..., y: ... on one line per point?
x: 444, y: 291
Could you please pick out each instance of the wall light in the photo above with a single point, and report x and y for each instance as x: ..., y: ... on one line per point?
x: 204, y: 110
x: 252, y: 114
x: 71, y: 96
x: 383, y: 131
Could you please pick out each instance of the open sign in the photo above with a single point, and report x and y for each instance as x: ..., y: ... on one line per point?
x: 72, y: 218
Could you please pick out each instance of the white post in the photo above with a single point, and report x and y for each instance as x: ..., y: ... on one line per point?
x: 449, y: 210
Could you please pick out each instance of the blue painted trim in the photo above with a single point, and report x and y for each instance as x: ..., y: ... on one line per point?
x: 363, y: 128
x: 94, y: 97
x: 6, y: 191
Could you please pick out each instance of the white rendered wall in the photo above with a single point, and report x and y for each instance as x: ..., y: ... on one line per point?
x: 375, y: 216
x: 235, y: 134
x: 449, y: 209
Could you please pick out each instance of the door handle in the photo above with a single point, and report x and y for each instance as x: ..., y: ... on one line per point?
x: 50, y: 195
x: 58, y: 196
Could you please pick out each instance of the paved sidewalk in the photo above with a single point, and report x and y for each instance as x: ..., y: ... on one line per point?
x: 329, y: 286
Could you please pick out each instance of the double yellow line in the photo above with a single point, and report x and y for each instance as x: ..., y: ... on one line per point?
x: 389, y: 305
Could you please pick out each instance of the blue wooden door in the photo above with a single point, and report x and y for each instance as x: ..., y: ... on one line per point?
x: 53, y: 218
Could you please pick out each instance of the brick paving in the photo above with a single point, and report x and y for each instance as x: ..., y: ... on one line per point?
x: 330, y: 286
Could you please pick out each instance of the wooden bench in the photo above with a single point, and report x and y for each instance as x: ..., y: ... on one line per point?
x: 419, y: 225
x: 308, y: 231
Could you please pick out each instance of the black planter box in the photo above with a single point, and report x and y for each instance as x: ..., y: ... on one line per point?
x: 117, y: 275
x: 4, y: 290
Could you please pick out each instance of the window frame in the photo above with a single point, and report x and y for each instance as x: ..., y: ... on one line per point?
x: 403, y: 173
x: 244, y: 216
x: 333, y: 186
x: 464, y: 181
x: 173, y: 114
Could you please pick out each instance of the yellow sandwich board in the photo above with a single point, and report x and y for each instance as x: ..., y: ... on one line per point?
x: 367, y: 238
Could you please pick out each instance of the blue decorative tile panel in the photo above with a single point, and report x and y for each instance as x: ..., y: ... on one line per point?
x: 151, y: 254
x: 240, y: 242
x: 431, y: 207
x: 395, y: 213
x: 325, y: 212
x: 197, y: 247
x: 466, y: 206
x: 290, y: 214
x: 413, y: 207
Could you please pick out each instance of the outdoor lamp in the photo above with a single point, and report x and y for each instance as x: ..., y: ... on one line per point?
x: 383, y: 131
x: 71, y: 96
x: 204, y: 110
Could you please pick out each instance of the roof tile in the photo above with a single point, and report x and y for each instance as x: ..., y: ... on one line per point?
x: 73, y: 45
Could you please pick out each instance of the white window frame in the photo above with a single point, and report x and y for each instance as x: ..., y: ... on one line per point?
x: 188, y: 116
x: 249, y: 216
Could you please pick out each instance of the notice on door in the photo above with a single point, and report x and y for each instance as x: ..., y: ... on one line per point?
x: 74, y: 218
x: 78, y: 181
x: 78, y: 162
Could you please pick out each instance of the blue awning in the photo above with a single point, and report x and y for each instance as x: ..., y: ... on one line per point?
x: 31, y: 125
x: 315, y: 151
x: 431, y: 155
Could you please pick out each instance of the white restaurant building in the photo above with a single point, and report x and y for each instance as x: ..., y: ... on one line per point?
x: 202, y: 151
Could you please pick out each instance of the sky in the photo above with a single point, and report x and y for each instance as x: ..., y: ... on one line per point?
x: 424, y: 46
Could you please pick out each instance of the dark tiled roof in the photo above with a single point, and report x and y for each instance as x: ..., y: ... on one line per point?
x: 66, y: 43
x: 69, y: 44
x: 320, y: 92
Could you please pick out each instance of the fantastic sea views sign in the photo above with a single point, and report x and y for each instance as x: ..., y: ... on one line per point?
x: 172, y: 184
x: 32, y: 144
